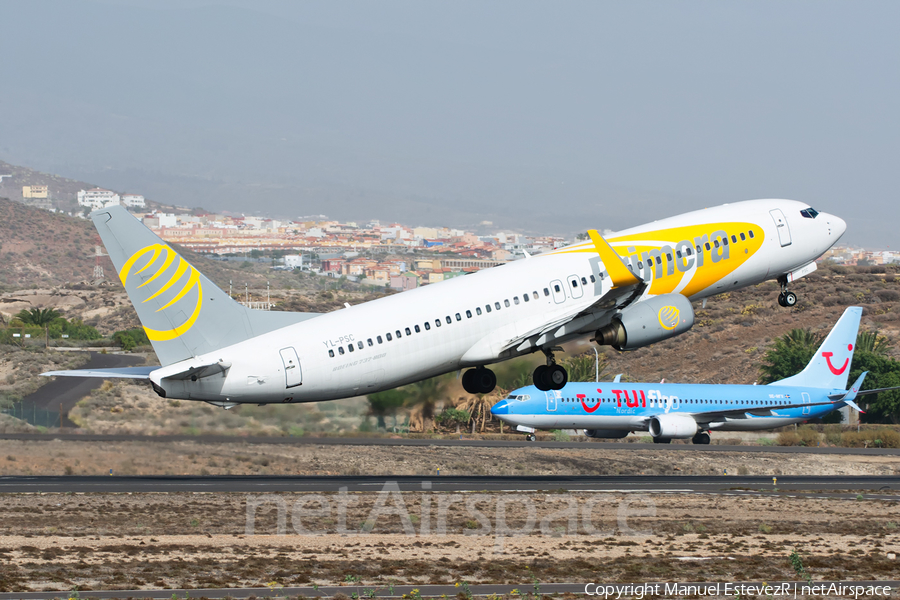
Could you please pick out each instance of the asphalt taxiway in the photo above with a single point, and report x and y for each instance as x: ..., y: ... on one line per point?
x: 881, y: 485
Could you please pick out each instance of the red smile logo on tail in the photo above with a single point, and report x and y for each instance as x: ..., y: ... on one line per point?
x: 843, y: 368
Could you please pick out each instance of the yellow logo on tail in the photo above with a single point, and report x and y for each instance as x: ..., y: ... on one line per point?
x: 169, y: 257
x: 668, y: 317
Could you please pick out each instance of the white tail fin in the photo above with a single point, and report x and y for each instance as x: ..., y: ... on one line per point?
x: 183, y: 312
x: 830, y: 366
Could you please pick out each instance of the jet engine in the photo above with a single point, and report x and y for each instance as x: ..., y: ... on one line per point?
x: 606, y: 433
x: 647, y: 321
x: 673, y: 426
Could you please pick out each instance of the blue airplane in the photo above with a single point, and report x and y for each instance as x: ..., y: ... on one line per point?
x: 680, y: 410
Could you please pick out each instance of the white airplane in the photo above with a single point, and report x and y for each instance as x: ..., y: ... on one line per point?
x: 630, y: 290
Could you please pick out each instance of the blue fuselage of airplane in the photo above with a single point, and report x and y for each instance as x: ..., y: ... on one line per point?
x: 631, y: 406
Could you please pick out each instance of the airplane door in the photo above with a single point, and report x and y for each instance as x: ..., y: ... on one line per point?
x: 559, y: 294
x: 784, y: 232
x: 575, y: 286
x: 551, y: 400
x: 805, y: 401
x: 292, y: 375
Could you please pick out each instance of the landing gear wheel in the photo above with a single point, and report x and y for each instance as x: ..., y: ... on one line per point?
x: 531, y: 437
x: 701, y: 438
x: 657, y: 440
x: 540, y: 379
x: 790, y: 299
x: 479, y: 381
x: 781, y: 299
x: 556, y: 376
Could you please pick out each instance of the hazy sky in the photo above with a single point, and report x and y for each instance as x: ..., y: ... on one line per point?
x: 548, y: 116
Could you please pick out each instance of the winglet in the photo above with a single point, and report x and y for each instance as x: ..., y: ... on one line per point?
x: 620, y: 274
x: 854, y: 390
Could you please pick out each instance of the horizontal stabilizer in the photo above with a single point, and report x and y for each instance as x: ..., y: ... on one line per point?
x: 114, y: 373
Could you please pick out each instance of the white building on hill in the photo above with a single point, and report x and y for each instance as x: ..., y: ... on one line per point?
x: 97, y: 198
x: 133, y: 200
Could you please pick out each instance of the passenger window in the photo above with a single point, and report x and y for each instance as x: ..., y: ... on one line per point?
x: 506, y: 303
x: 478, y: 311
x: 418, y: 329
x: 378, y: 338
x: 388, y: 336
x: 350, y: 348
x: 708, y: 247
x: 487, y: 307
x: 699, y: 249
x: 678, y: 253
x: 716, y: 243
x: 689, y: 251
x: 497, y: 305
x: 574, y: 283
x: 331, y: 353
x: 397, y: 333
x: 556, y: 287
x: 437, y: 322
x: 458, y: 317
x: 525, y: 297
x: 359, y: 345
x: 593, y: 280
x: 751, y: 234
x: 449, y: 320
x: 340, y: 349
x: 658, y: 260
x: 468, y: 314
x: 546, y: 292
x: 583, y: 281
x: 734, y: 239
x: 427, y: 326
x: 408, y: 332
x: 669, y: 257
x: 535, y: 294
x: 515, y: 300
x: 743, y: 237
x: 370, y: 342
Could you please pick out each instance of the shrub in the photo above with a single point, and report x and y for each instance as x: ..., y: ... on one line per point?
x: 871, y: 438
x: 788, y: 438
x: 763, y: 528
x: 808, y: 436
x: 764, y: 441
x: 833, y: 434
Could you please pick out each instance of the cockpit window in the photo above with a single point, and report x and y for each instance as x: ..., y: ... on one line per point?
x: 809, y: 213
x: 520, y: 398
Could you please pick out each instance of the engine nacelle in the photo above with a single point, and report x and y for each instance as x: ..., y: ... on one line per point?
x: 606, y: 433
x: 647, y: 322
x: 673, y: 426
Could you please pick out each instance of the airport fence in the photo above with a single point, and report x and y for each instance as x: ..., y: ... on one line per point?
x: 30, y: 413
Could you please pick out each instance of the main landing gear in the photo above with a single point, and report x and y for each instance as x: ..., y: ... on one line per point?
x: 550, y: 376
x: 479, y: 381
x: 701, y: 438
x: 786, y: 298
x: 530, y: 437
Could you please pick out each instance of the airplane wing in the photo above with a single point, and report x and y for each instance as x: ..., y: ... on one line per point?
x: 746, y: 413
x: 626, y: 288
x: 113, y: 373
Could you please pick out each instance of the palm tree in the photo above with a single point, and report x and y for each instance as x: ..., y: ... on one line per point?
x: 39, y: 317
x: 870, y: 341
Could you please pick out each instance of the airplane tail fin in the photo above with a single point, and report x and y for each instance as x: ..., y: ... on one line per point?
x: 184, y: 313
x: 830, y: 365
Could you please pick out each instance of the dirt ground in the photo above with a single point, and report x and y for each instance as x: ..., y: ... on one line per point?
x: 122, y: 541
x: 236, y: 458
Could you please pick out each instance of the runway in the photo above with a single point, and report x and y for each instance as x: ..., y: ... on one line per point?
x: 431, y: 591
x: 880, y: 485
x: 462, y: 443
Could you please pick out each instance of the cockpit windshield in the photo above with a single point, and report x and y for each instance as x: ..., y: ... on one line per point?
x: 520, y: 398
x: 809, y: 213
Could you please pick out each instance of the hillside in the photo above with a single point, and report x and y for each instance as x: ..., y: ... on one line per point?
x: 62, y: 190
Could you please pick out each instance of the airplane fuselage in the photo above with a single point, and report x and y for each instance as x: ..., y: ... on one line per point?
x: 471, y: 320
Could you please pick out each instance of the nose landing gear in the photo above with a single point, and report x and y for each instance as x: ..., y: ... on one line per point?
x: 786, y: 298
x: 550, y: 376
